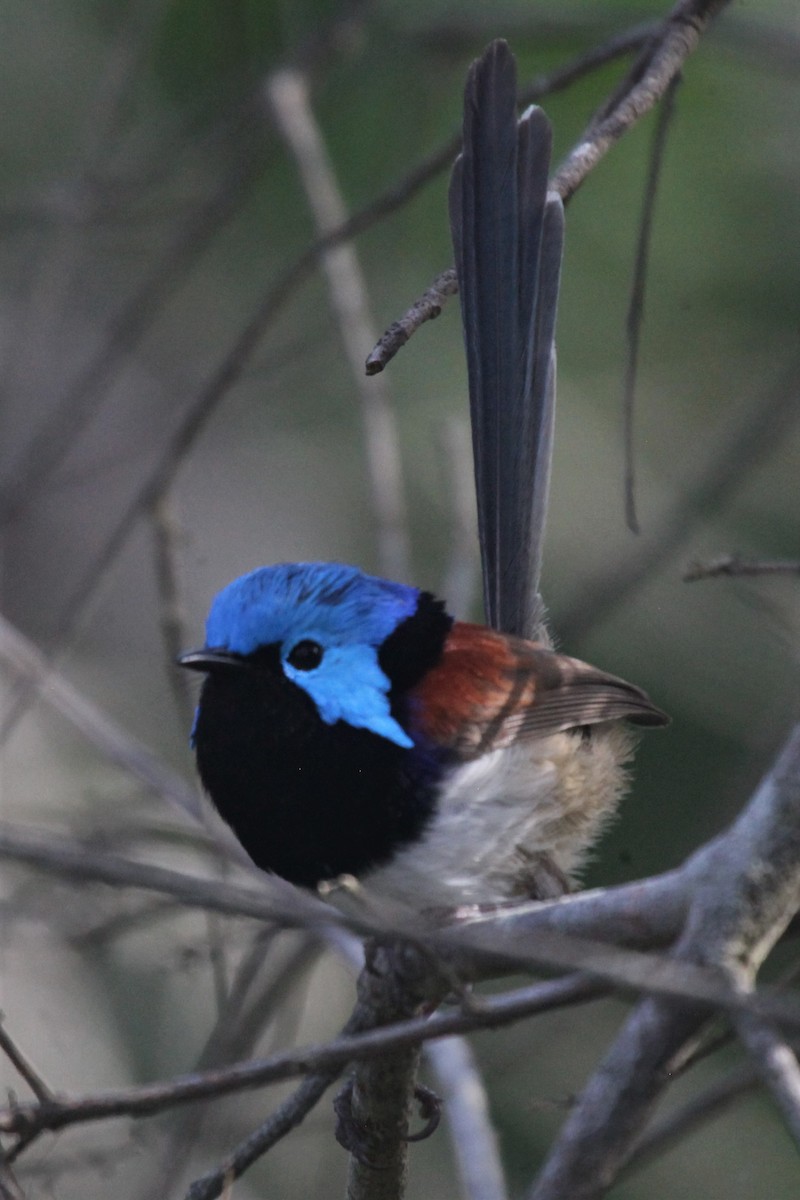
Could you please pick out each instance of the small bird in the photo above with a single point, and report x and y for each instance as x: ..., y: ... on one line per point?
x: 348, y: 725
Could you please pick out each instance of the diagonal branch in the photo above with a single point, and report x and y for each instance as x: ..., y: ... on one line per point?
x: 742, y: 902
x: 661, y: 59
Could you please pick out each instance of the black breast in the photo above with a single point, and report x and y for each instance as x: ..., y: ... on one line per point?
x: 306, y: 799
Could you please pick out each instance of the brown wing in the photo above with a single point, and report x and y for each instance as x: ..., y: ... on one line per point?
x: 489, y: 689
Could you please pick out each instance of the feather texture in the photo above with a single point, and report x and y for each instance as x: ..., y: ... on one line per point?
x: 507, y: 236
x: 489, y: 690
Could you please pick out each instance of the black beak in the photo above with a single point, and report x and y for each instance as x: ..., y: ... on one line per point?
x: 209, y: 660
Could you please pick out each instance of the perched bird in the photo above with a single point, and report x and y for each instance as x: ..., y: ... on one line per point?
x: 348, y: 724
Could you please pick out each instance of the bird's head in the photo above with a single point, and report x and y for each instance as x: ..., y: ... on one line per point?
x: 327, y: 627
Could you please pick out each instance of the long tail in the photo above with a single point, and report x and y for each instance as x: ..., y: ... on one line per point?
x: 508, y: 236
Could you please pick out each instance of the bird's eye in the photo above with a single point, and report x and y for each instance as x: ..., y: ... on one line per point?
x: 305, y: 655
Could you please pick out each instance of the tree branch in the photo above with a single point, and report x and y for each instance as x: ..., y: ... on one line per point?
x: 664, y: 53
x: 743, y: 900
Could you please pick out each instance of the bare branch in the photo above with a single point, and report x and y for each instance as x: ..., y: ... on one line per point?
x: 166, y: 536
x: 647, y: 81
x: 712, y: 1102
x: 766, y: 421
x: 287, y: 1117
x: 748, y: 892
x: 426, y: 308
x: 636, y: 306
x: 433, y: 300
x: 777, y: 1066
x: 373, y: 1110
x: 733, y: 567
x: 665, y: 50
x: 22, y: 1064
x: 287, y: 91
x: 27, y: 1120
x: 466, y: 1108
x: 32, y: 667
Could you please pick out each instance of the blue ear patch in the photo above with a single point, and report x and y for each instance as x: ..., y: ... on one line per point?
x: 349, y: 685
x: 348, y: 613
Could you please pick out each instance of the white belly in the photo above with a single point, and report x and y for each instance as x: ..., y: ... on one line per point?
x: 499, y: 815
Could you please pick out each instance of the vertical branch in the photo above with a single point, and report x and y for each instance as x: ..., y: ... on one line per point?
x: 474, y: 1140
x: 166, y: 535
x: 374, y: 1107
x: 287, y: 91
x: 633, y: 323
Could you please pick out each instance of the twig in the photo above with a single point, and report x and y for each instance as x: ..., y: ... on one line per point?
x: 166, y: 536
x: 664, y: 53
x: 287, y: 1117
x: 30, y: 1119
x: 273, y: 901
x: 236, y: 1030
x: 433, y: 300
x: 23, y: 1065
x: 31, y: 666
x: 749, y: 892
x: 466, y: 1107
x: 764, y: 423
x: 673, y: 1128
x: 648, y: 79
x: 426, y: 308
x: 777, y: 1066
x: 732, y: 566
x: 287, y: 91
x: 636, y: 306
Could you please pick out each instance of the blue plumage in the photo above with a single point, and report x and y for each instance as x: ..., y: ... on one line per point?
x: 346, y: 613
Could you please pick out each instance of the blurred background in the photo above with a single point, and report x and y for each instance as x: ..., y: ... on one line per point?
x: 150, y: 213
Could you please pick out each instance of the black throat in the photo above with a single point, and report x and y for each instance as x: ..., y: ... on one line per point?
x: 309, y: 800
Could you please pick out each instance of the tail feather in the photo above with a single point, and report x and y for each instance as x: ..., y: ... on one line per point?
x: 507, y: 234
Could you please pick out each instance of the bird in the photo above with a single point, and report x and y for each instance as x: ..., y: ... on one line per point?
x: 349, y: 725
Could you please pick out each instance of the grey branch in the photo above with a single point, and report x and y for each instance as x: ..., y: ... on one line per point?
x: 664, y: 53
x: 287, y: 91
x: 777, y: 1065
x: 732, y: 566
x: 745, y: 895
x: 466, y: 1108
x: 31, y: 667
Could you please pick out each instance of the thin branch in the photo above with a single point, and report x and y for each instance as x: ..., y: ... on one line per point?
x: 647, y: 81
x: 31, y: 666
x: 167, y: 535
x: 287, y: 1117
x: 712, y: 1102
x: 426, y: 308
x: 763, y: 425
x: 288, y: 95
x: 30, y: 1119
x: 236, y: 1030
x: 664, y: 53
x: 732, y: 566
x: 635, y: 316
x: 23, y: 1065
x: 466, y: 1107
x: 433, y: 300
x: 777, y: 1066
x: 78, y: 405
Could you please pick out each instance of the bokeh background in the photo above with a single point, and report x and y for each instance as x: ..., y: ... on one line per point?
x: 149, y: 205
